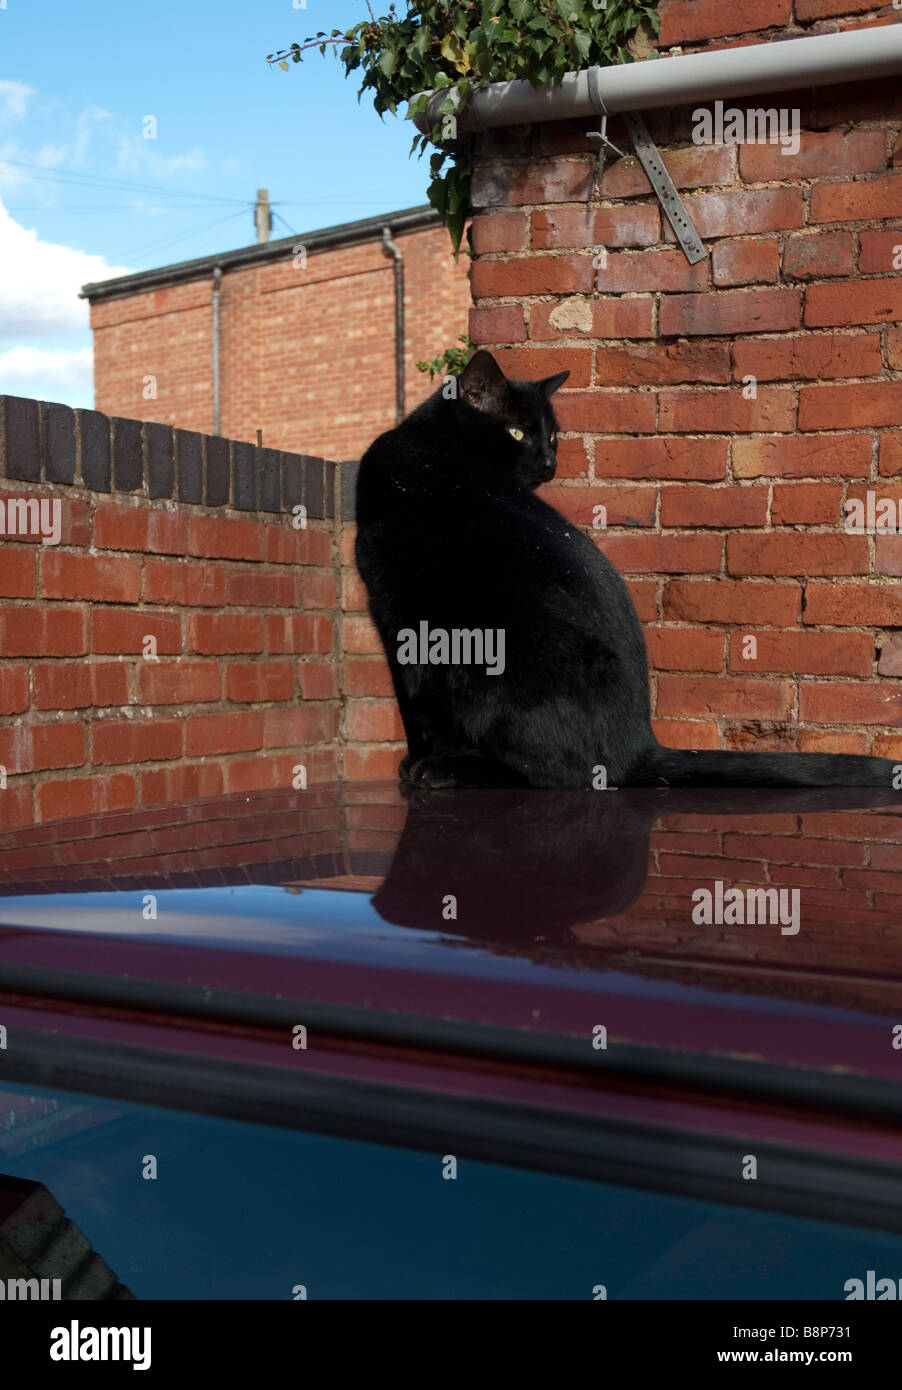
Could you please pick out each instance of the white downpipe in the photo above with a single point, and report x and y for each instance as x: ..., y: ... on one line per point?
x: 863, y: 54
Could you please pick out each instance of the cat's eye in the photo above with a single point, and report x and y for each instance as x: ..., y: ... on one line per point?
x: 515, y: 433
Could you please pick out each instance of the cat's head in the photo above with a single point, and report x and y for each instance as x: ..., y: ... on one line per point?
x: 519, y: 415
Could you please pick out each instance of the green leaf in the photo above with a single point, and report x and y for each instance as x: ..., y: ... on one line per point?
x: 583, y: 42
x: 388, y: 60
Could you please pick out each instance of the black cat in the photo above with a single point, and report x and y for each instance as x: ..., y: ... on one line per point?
x: 516, y: 653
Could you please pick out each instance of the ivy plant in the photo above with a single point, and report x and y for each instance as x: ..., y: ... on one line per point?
x: 461, y: 45
x: 451, y: 361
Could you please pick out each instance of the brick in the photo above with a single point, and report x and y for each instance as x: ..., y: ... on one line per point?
x: 880, y: 251
x: 740, y: 212
x: 727, y: 409
x: 572, y: 459
x: 807, y: 504
x: 503, y: 323
x: 859, y: 301
x: 649, y: 364
x: 160, y: 460
x: 609, y: 412
x: 863, y: 200
x: 16, y: 808
x: 178, y: 682
x: 685, y: 733
x: 184, y: 583
x: 815, y: 356
x: 59, y: 442
x: 116, y: 742
x: 94, y: 443
x: 863, y: 404
x: 625, y: 271
x: 104, y: 579
x: 300, y: 633
x: 732, y: 601
x: 889, y: 555
x: 579, y: 227
x: 214, y: 734
x: 533, y: 275
x: 712, y: 19
x: 373, y: 721
x: 814, y: 254
x: 114, y: 631
x: 128, y: 455
x: 316, y: 590
x: 527, y: 363
x: 85, y: 796
x: 797, y: 553
x: 63, y: 685
x: 719, y: 507
x: 644, y: 593
x: 626, y: 506
x: 890, y: 455
x: 555, y: 181
x: 686, y: 554
x: 748, y: 261
x: 661, y: 457
x: 43, y: 631
x: 704, y: 697
x: 730, y: 311
x: 318, y: 680
x: 499, y: 231
x: 14, y: 689
x: 850, y: 702
x: 684, y: 649
x: 361, y: 764
x: 187, y: 782
x: 818, y: 455
x: 822, y: 9
x: 608, y: 317
x: 189, y: 453
x: 17, y: 571
x: 259, y: 682
x: 367, y: 678
x: 809, y: 653
x: 142, y: 528
x: 20, y: 443
x: 692, y: 167
x: 820, y: 154
x: 34, y: 749
x: 890, y: 663
x: 853, y: 605
x: 226, y: 538
x: 298, y: 727
x: 260, y: 588
x: 216, y: 634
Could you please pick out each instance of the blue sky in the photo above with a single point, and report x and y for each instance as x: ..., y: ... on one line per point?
x: 77, y: 82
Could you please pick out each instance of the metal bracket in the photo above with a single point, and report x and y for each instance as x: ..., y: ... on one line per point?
x: 662, y: 183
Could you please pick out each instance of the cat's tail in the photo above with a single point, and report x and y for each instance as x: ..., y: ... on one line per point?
x: 673, y: 767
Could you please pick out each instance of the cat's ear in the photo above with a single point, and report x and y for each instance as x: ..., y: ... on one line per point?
x: 483, y: 383
x: 550, y: 384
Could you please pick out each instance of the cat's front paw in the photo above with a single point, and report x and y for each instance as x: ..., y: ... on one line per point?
x: 435, y: 772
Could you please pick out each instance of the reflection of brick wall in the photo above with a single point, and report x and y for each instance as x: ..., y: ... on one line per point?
x: 846, y: 865
x: 725, y: 513
x: 187, y: 540
x: 306, y: 348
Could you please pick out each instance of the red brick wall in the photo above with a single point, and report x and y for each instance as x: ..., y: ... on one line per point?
x: 188, y: 540
x: 306, y: 351
x: 725, y: 513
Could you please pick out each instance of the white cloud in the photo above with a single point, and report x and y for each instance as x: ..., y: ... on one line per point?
x: 39, y: 284
x: 49, y: 374
x: 14, y: 98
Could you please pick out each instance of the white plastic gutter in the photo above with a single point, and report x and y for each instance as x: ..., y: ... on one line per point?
x: 781, y: 65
